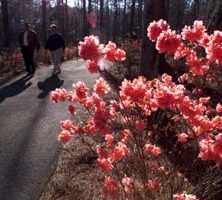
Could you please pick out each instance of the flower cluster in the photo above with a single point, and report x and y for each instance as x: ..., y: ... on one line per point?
x: 185, y: 45
x: 152, y: 149
x: 168, y: 42
x: 184, y: 197
x: 195, y: 33
x: 155, y: 28
x: 110, y: 187
x: 153, y: 184
x: 93, y: 53
x: 90, y: 48
x: 211, y: 148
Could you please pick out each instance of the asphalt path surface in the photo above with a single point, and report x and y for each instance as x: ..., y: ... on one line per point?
x: 29, y: 127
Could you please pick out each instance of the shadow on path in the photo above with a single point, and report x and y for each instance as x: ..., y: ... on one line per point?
x: 15, y: 88
x: 49, y: 84
x: 19, y: 166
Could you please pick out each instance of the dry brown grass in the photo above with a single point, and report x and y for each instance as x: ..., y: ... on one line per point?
x: 76, y: 176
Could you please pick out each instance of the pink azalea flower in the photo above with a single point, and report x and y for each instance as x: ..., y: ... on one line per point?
x: 64, y: 136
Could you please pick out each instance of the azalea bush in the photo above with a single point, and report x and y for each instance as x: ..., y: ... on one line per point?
x: 132, y: 122
x: 71, y: 53
x: 10, y: 61
x: 44, y: 57
x: 202, y: 55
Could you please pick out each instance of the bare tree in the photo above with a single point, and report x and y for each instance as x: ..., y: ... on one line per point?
x: 108, y: 20
x: 85, y: 26
x: 44, y: 3
x: 5, y: 19
x: 60, y: 15
x: 140, y: 13
x: 89, y: 6
x: 132, y: 16
x: 66, y: 20
x: 115, y: 20
x: 101, y: 12
x: 124, y: 19
x: 150, y: 60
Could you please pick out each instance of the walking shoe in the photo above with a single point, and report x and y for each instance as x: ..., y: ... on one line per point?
x: 56, y: 72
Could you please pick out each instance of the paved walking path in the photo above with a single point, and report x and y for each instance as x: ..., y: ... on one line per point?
x: 29, y: 127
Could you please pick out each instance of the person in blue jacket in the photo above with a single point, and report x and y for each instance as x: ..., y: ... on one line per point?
x: 56, y: 45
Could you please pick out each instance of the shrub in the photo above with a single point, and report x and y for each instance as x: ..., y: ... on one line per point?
x: 132, y: 122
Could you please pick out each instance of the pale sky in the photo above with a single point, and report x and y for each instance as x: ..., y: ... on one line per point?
x: 71, y: 2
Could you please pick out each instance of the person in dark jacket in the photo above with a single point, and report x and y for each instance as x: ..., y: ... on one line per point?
x: 56, y: 45
x: 28, y: 41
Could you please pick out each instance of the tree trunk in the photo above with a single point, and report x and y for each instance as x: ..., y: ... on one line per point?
x: 132, y: 16
x: 215, y: 17
x: 61, y: 16
x: 140, y: 15
x: 108, y: 23
x: 89, y: 11
x: 44, y: 20
x: 124, y: 19
x: 85, y: 28
x: 196, y: 8
x: 5, y: 22
x: 66, y: 21
x: 115, y: 21
x: 180, y: 15
x: 101, y: 13
x: 90, y: 6
x: 150, y: 59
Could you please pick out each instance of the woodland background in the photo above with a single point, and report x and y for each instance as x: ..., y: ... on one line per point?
x: 115, y: 18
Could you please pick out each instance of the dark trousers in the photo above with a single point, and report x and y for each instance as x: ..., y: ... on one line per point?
x: 28, y: 59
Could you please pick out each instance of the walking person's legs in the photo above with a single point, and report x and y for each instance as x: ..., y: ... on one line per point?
x: 56, y: 60
x: 59, y: 56
x: 32, y: 64
x: 26, y: 57
x: 54, y: 63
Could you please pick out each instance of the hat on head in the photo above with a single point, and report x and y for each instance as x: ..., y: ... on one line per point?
x: 53, y: 26
x: 27, y: 25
